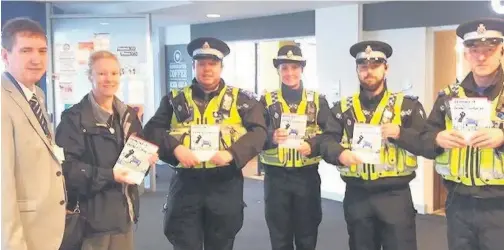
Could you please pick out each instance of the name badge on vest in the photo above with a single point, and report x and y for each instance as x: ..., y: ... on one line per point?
x: 218, y: 116
x: 275, y: 111
x: 388, y: 115
x: 180, y: 107
x: 446, y: 108
x: 226, y: 103
x: 349, y: 119
x: 310, y: 96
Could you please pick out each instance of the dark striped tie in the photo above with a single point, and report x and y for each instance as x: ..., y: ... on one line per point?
x: 37, y: 110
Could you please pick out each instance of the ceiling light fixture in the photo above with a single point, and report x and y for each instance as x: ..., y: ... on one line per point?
x: 104, y: 23
x: 497, y: 6
x: 213, y: 15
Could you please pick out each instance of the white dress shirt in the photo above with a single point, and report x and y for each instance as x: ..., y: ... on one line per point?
x: 27, y: 92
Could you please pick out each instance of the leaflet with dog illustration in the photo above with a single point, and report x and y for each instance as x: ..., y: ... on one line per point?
x: 135, y: 158
x: 470, y: 114
x: 205, y: 141
x: 295, y: 125
x: 366, y: 142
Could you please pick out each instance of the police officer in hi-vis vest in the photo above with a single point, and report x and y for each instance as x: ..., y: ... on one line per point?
x: 208, y: 131
x: 292, y: 182
x: 378, y: 205
x: 472, y: 164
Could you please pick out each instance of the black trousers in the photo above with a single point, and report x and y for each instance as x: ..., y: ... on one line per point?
x: 204, y: 213
x: 380, y: 219
x: 292, y: 207
x: 475, y: 223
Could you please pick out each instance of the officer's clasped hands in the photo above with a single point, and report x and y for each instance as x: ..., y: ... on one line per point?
x: 487, y: 138
x: 348, y: 158
x: 483, y: 138
x: 279, y: 136
x: 185, y: 156
x: 449, y: 139
x: 304, y: 149
x: 222, y: 158
x: 390, y: 130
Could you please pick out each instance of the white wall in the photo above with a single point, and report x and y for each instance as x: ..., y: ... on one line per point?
x: 158, y: 55
x: 177, y: 34
x: 336, y: 29
x: 267, y: 75
x: 239, y: 65
x: 407, y: 67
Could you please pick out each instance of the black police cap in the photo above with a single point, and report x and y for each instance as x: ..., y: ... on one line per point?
x: 371, y: 51
x: 208, y: 47
x: 289, y: 54
x: 487, y: 30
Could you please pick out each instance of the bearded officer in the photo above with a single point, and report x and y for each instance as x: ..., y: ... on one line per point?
x: 378, y: 205
x: 205, y: 205
x: 472, y: 165
x: 292, y: 182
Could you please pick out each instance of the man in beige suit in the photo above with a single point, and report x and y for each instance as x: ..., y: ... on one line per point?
x: 33, y: 190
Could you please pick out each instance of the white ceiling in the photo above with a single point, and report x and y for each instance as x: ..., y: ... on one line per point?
x: 229, y: 10
x: 191, y: 12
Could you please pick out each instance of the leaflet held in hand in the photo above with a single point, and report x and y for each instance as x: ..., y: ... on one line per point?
x: 295, y: 125
x: 366, y: 143
x: 205, y: 141
x: 470, y: 114
x: 135, y: 158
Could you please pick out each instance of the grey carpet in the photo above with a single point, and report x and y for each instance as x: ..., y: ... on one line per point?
x: 431, y: 230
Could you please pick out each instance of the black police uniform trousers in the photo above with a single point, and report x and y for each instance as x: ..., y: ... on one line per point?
x: 475, y: 223
x: 377, y: 219
x: 292, y: 206
x: 204, y: 209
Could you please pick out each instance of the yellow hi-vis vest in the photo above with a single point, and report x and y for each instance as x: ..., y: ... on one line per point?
x: 231, y: 127
x: 395, y: 161
x: 285, y: 157
x: 471, y: 166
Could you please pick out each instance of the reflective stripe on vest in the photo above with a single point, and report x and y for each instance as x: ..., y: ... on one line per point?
x: 471, y: 166
x: 231, y: 128
x: 396, y: 161
x: 284, y: 157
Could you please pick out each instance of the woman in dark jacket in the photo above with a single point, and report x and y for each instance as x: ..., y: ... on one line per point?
x: 92, y: 134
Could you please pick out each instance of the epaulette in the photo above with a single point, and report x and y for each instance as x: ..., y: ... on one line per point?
x: 248, y: 93
x: 452, y: 88
x: 411, y: 97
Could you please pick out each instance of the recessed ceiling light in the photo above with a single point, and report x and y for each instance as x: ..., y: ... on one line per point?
x: 104, y: 23
x: 213, y: 15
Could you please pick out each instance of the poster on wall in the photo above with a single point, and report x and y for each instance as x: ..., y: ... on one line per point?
x: 66, y: 90
x: 84, y: 51
x: 179, y: 73
x: 127, y: 51
x: 65, y: 59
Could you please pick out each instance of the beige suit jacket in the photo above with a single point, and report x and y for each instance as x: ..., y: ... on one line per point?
x: 33, y: 189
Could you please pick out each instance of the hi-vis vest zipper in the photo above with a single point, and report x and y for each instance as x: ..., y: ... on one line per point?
x: 395, y: 161
x: 284, y: 157
x: 231, y: 128
x: 471, y: 166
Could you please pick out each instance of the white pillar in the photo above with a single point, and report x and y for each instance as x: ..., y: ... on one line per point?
x: 336, y: 30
